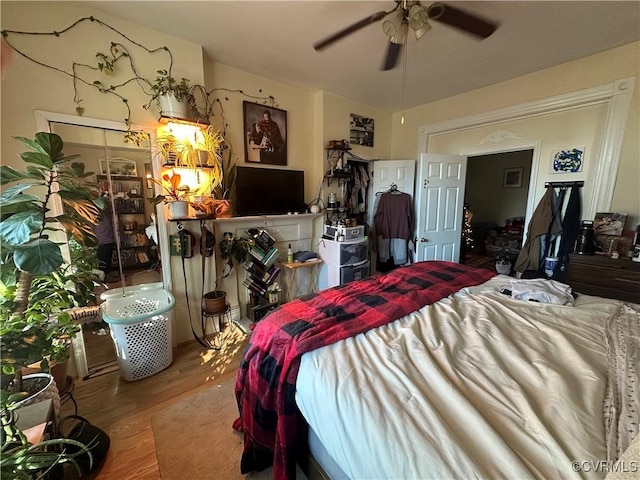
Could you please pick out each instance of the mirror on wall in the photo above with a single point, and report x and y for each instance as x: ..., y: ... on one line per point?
x: 127, y: 254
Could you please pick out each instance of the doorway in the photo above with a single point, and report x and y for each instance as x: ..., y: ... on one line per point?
x: 119, y: 170
x: 496, y: 193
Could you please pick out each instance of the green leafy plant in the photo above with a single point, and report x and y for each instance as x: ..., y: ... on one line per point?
x: 164, y: 84
x: 31, y: 260
x: 222, y: 191
x: 27, y: 328
x: 204, y: 151
x: 20, y: 459
x: 232, y: 247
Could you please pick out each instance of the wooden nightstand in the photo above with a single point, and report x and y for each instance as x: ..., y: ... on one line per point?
x: 604, y: 276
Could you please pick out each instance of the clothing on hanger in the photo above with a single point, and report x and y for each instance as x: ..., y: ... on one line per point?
x: 393, y: 224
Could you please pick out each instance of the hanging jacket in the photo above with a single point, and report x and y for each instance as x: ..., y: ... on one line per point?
x: 570, y: 233
x: 542, y: 223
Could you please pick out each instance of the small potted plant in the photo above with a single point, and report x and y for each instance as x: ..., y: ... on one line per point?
x: 176, y: 196
x: 230, y: 247
x: 171, y: 95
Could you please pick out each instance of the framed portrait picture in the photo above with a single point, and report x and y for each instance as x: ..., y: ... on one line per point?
x: 361, y: 132
x: 609, y: 223
x: 512, y: 177
x: 265, y: 134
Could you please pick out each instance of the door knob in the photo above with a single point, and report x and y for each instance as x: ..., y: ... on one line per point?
x: 424, y: 240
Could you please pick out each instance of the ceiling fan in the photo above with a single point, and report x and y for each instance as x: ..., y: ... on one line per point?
x: 411, y: 15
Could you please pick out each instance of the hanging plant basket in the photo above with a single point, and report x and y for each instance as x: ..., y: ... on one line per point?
x: 215, y: 301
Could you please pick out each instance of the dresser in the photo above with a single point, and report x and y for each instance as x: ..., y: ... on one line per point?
x: 604, y: 276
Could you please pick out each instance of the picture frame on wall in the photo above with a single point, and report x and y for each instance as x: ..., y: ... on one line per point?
x: 570, y: 160
x: 512, y: 177
x: 361, y: 130
x: 265, y: 137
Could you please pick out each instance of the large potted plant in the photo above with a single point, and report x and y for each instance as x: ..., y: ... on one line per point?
x: 30, y: 332
x: 30, y: 326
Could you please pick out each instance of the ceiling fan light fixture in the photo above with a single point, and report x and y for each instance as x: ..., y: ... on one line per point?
x: 419, y: 21
x: 401, y: 35
x: 389, y: 28
x: 420, y: 32
x: 418, y: 16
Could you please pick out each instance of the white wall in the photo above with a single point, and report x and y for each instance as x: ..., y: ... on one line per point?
x: 587, y: 72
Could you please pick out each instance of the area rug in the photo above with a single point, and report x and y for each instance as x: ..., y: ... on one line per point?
x: 194, y: 439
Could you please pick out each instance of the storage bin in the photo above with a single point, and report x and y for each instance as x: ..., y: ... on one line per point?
x: 140, y: 320
x: 350, y: 233
x: 344, y: 253
x: 334, y: 275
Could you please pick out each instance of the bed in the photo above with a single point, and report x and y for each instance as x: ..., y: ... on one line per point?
x: 472, y: 383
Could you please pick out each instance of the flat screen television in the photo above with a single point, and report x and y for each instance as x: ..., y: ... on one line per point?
x: 269, y: 191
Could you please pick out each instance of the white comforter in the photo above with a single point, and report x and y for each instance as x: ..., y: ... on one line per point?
x: 479, y: 385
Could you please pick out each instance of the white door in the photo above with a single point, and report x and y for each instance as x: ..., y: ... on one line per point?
x: 383, y: 173
x: 439, y: 205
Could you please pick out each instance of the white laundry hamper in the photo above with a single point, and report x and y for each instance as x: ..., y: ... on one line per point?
x: 140, y: 320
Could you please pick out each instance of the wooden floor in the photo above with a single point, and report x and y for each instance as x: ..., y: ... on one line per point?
x: 124, y: 409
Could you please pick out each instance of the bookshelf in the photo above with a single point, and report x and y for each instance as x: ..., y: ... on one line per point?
x: 131, y: 219
x: 262, y: 272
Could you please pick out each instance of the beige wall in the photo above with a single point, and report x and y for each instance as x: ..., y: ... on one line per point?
x: 27, y: 87
x: 587, y: 72
x: 485, y: 193
x: 336, y: 116
x: 298, y: 103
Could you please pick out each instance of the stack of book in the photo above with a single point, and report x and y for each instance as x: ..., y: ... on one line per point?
x: 260, y: 265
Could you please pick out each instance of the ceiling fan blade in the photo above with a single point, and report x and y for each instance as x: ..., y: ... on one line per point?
x: 461, y: 20
x: 392, y: 56
x: 352, y: 28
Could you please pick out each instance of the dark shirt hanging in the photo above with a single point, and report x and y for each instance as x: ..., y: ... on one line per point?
x: 570, y: 233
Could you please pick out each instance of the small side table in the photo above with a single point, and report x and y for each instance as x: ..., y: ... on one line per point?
x: 290, y: 277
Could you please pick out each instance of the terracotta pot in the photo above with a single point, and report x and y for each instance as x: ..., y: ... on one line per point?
x: 215, y: 302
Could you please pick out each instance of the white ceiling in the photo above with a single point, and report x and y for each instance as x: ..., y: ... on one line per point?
x: 274, y: 39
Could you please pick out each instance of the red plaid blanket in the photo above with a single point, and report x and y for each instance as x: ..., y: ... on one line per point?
x: 266, y: 380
